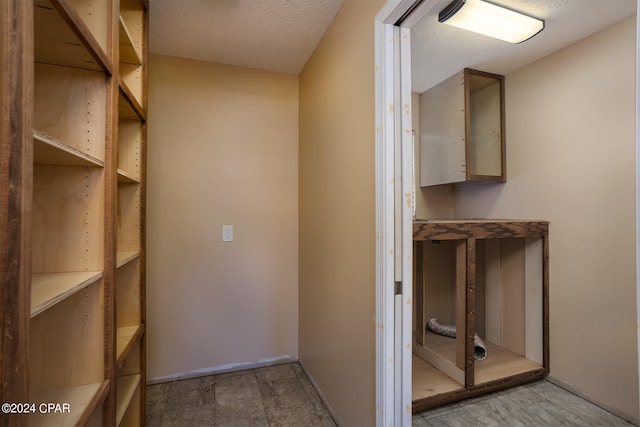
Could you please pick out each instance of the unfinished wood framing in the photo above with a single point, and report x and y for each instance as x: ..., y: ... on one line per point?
x: 495, y: 274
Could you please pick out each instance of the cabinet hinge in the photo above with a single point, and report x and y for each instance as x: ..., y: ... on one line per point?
x: 398, y: 288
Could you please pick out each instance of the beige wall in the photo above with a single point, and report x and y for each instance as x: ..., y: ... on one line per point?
x: 222, y: 150
x: 570, y: 127
x: 337, y: 215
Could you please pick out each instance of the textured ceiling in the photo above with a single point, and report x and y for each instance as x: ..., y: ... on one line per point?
x: 439, y: 51
x: 280, y: 35
x: 276, y: 35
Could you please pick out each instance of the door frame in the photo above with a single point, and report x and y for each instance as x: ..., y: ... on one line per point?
x: 394, y: 175
x: 394, y: 209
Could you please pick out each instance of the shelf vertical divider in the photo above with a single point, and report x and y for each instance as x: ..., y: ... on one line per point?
x: 111, y: 195
x: 16, y: 151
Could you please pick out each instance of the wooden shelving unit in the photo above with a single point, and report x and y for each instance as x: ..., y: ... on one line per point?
x: 130, y: 306
x: 73, y: 305
x: 485, y: 277
x: 76, y: 397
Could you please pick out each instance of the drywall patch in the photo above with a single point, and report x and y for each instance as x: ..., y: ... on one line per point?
x: 221, y: 369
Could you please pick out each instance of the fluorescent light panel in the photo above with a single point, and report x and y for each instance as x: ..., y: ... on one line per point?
x: 491, y: 20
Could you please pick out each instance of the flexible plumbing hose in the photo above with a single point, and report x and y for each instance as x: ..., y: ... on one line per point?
x: 480, y: 350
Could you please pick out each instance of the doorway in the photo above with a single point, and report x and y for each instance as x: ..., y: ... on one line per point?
x: 395, y: 35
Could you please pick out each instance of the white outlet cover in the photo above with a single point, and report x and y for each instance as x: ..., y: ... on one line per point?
x: 227, y: 233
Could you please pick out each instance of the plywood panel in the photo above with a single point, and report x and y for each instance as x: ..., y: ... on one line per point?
x: 78, y: 398
x: 128, y: 106
x: 428, y: 381
x: 123, y: 258
x: 61, y: 37
x: 440, y: 352
x: 128, y: 294
x: 49, y: 151
x: 493, y: 284
x: 128, y: 217
x: 501, y: 363
x: 127, y: 338
x: 419, y: 314
x: 129, y: 52
x: 439, y: 291
x: 131, y: 76
x: 95, y: 15
x: 51, y: 288
x: 70, y: 106
x: 461, y: 288
x: 127, y: 389
x: 485, y: 145
x: 97, y: 419
x: 534, y: 269
x: 513, y: 303
x: 133, y: 363
x: 67, y: 342
x: 129, y: 147
x: 132, y: 14
x: 68, y: 219
x: 133, y: 415
x: 132, y: 20
x: 480, y: 309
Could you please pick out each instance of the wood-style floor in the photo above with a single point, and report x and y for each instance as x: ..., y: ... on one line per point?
x: 539, y: 404
x: 283, y: 396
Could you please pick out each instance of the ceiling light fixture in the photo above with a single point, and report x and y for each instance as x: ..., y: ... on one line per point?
x: 491, y: 20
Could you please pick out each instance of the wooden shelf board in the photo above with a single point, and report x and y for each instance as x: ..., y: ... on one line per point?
x: 79, y: 399
x: 428, y: 381
x: 125, y: 177
x: 62, y: 38
x: 126, y: 339
x: 441, y: 355
x: 500, y: 362
x: 49, y: 151
x: 128, y: 105
x: 128, y: 52
x: 442, y: 345
x: 48, y: 289
x: 123, y: 258
x: 126, y: 388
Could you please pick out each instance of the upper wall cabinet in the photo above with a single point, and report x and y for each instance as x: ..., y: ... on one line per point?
x: 462, y: 130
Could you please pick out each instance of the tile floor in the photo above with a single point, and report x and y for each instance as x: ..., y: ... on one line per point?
x: 282, y: 395
x: 539, y: 404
